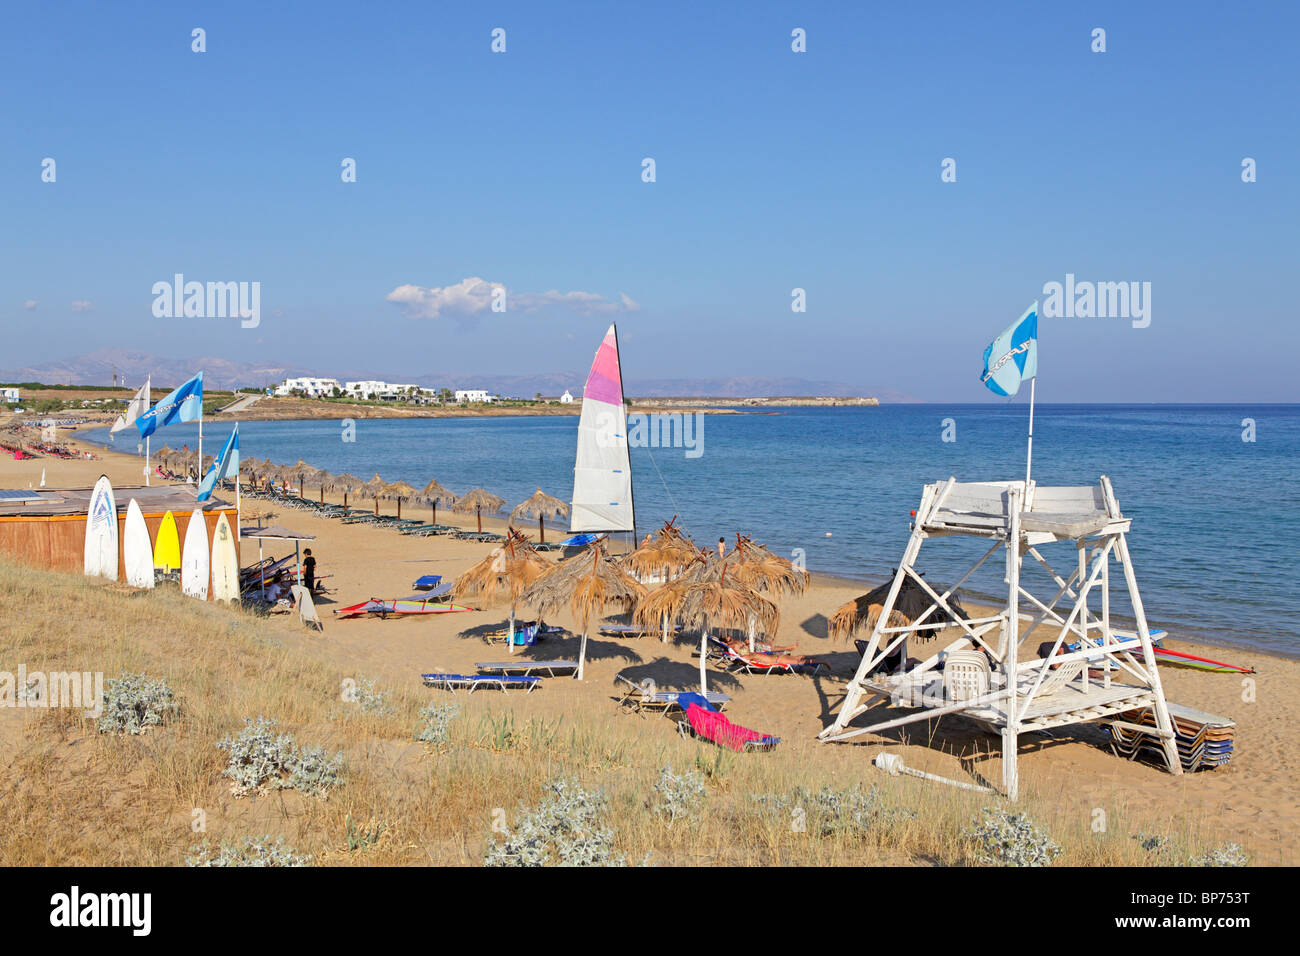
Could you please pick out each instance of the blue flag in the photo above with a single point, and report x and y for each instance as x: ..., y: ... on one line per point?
x: 227, y: 464
x: 185, y: 404
x: 1013, y: 356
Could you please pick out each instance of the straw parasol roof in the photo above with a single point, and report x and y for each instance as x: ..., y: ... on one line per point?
x: 402, y: 492
x: 346, y: 481
x: 667, y: 552
x: 510, y: 568
x: 585, y: 584
x: 912, y: 601
x: 767, y: 572
x: 724, y: 601
x: 541, y: 506
x: 434, y: 494
x: 476, y: 502
x: 375, y: 488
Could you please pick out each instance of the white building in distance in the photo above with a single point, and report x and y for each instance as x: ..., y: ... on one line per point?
x: 311, y: 387
x: 10, y: 396
x: 464, y: 395
x: 566, y: 398
x: 387, y: 391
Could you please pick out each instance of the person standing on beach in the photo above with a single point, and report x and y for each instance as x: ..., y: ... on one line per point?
x: 309, y: 570
x: 722, y: 547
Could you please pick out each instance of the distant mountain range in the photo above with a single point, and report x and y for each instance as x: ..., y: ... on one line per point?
x: 131, y: 367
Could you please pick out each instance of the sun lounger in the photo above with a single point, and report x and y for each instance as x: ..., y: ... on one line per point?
x: 633, y: 630
x: 713, y: 726
x: 472, y: 682
x: 427, y: 582
x: 641, y: 699
x: 523, y: 666
x: 484, y: 536
x: 739, y: 662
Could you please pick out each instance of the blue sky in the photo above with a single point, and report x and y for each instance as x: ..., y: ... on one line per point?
x: 775, y: 170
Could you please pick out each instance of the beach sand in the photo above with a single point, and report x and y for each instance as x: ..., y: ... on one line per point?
x: 1252, y: 801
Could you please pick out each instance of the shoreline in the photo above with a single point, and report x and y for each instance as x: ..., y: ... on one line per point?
x: 827, y: 578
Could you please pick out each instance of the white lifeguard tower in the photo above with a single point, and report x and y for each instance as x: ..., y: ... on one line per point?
x: 982, y: 675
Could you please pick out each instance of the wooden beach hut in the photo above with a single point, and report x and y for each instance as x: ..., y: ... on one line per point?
x: 984, y: 674
x: 47, y: 527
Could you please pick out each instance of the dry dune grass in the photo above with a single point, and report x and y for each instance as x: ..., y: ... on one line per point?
x: 69, y: 795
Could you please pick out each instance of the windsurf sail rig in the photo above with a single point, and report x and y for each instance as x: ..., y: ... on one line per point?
x: 400, y: 606
x: 1165, y: 656
x: 602, y: 471
x: 134, y: 409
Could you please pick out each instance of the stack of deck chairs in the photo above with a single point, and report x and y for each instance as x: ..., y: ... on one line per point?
x: 1204, y: 740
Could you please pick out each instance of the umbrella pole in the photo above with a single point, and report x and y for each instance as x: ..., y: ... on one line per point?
x: 510, y: 638
x: 478, y: 513
x: 541, y: 530
x: 399, y: 509
x: 751, y: 633
x: 261, y: 573
x: 704, y: 640
x: 582, y: 653
x: 297, y: 557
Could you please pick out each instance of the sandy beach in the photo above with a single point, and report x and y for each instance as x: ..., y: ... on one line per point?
x: 1252, y: 801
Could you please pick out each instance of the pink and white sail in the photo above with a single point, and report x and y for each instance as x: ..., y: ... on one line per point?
x: 602, y: 474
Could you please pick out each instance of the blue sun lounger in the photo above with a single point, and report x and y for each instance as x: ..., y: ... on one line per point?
x: 427, y: 582
x: 472, y: 682
x: 525, y: 666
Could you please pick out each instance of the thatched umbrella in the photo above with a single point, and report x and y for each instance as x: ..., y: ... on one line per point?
x: 435, y: 494
x: 476, y: 501
x: 375, y: 488
x: 715, y: 600
x: 667, y: 553
x: 541, y: 506
x: 401, y: 491
x: 348, y: 483
x: 513, y: 566
x: 766, y: 573
x: 912, y: 601
x: 325, y: 480
x: 586, y: 584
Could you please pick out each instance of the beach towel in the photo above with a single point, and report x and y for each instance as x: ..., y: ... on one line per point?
x: 688, y: 698
x: 714, y: 726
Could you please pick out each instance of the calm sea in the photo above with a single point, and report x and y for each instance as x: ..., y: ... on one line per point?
x: 1215, y: 516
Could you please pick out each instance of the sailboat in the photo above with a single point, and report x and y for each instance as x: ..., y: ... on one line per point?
x: 602, y: 471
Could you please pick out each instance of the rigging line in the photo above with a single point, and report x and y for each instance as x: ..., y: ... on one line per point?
x: 661, y: 479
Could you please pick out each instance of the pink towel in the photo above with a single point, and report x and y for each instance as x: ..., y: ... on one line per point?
x: 714, y: 726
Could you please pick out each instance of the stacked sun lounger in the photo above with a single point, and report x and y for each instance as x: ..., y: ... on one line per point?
x: 472, y: 682
x: 1204, y: 740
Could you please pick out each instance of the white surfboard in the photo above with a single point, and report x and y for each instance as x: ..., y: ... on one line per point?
x: 194, y: 557
x: 137, y: 549
x: 100, y: 557
x: 225, y: 562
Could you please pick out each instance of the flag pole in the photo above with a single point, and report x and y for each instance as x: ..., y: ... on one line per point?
x: 147, y: 469
x: 1029, y: 456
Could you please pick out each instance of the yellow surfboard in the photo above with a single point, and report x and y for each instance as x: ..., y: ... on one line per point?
x: 167, y: 546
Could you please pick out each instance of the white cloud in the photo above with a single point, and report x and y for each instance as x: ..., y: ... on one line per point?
x: 467, y: 297
x: 81, y: 305
x: 474, y: 295
x: 29, y: 304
